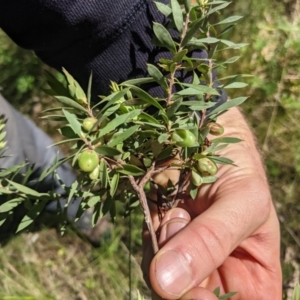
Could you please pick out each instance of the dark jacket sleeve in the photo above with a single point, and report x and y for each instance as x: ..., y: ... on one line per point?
x: 110, y: 38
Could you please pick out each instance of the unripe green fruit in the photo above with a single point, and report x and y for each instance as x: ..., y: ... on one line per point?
x: 215, y: 128
x: 196, y: 178
x: 88, y: 160
x: 183, y: 138
x: 206, y: 166
x: 88, y: 123
x: 94, y: 175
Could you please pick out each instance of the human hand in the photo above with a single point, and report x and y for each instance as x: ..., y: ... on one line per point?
x: 228, y: 237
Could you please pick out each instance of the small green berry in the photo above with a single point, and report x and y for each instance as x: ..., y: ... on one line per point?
x: 215, y: 128
x: 94, y: 175
x: 88, y: 123
x: 88, y: 160
x: 206, y: 167
x: 183, y: 138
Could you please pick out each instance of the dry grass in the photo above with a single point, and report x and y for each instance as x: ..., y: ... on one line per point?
x: 44, y: 265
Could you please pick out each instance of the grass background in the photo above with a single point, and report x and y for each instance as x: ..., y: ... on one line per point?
x: 44, y: 265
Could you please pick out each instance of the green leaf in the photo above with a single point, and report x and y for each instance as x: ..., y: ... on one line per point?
x: 180, y: 55
x: 107, y: 151
x: 163, y: 137
x: 235, y: 76
x: 210, y: 179
x: 74, y: 87
x: 296, y: 292
x: 147, y: 98
x: 164, y: 36
x: 236, y: 85
x: 187, y: 5
x: 217, y: 291
x: 220, y: 7
x: 70, y: 103
x: 227, y: 105
x: 228, y: 140
x: 194, y: 26
x: 72, y: 191
x: 232, y: 45
x: 113, y: 98
x: 128, y: 169
x: 137, y: 81
x: 221, y: 160
x: 231, y: 19
x: 149, y: 118
x: 31, y: 215
x: 27, y: 191
x: 227, y: 296
x: 120, y: 120
x: 177, y: 15
x: 58, y: 88
x: 165, y: 153
x: 172, y: 109
x: 74, y: 123
x: 111, y: 110
x: 157, y: 75
x: 163, y: 8
x: 208, y: 40
x: 65, y: 141
x: 9, y: 205
x: 2, y: 135
x: 193, y: 191
x: 123, y: 136
x: 195, y: 44
x: 89, y: 89
x: 114, y: 184
x: 107, y: 205
x: 93, y: 201
x: 196, y: 90
x: 103, y: 175
x: 67, y: 132
x: 3, y: 218
x: 199, y: 105
x: 5, y: 191
x: 231, y: 60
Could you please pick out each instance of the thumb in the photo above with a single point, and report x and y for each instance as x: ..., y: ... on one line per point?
x: 173, y: 221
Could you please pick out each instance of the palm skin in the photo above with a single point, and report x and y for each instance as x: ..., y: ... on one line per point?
x: 228, y: 237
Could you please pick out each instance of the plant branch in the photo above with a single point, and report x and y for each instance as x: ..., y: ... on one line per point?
x: 139, y: 189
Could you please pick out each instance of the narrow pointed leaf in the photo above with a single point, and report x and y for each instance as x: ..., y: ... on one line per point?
x: 196, y: 89
x: 177, y: 15
x: 114, y: 184
x: 70, y: 102
x: 228, y: 140
x: 74, y: 123
x: 113, y: 124
x: 89, y: 89
x: 147, y: 98
x: 163, y: 8
x: 164, y: 36
x: 9, y: 205
x: 26, y: 190
x: 231, y: 19
x: 128, y: 169
x: 107, y: 151
x: 123, y: 136
x: 31, y: 215
x: 236, y: 85
x: 157, y: 75
x: 227, y: 105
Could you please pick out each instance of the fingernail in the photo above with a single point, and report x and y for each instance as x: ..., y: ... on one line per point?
x: 170, y: 229
x: 173, y: 273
